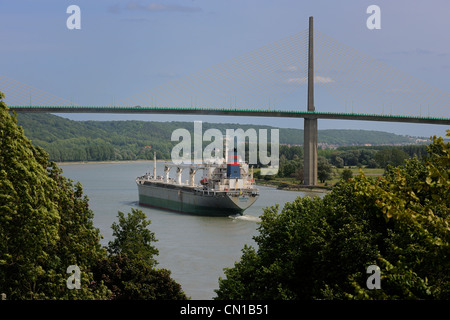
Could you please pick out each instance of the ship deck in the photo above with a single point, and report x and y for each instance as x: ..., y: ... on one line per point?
x: 200, y: 189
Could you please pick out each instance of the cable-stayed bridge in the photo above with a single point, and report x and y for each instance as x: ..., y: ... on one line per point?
x: 258, y: 84
x: 234, y: 112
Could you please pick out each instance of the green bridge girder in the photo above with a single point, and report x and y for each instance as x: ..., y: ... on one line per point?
x: 233, y: 112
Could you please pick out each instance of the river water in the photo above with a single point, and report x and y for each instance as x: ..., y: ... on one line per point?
x: 194, y: 248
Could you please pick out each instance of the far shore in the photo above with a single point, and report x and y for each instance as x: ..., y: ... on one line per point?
x: 291, y: 187
x: 259, y: 183
x: 103, y: 162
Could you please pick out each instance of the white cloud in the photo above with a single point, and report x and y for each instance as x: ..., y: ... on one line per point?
x: 291, y: 68
x: 321, y: 79
x: 302, y: 80
x: 296, y: 80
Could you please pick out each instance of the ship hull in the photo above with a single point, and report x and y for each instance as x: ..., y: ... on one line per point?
x: 192, y: 201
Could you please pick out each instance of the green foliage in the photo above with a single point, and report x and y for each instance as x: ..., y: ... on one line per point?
x: 135, y: 279
x: 46, y: 226
x: 347, y: 174
x: 291, y: 152
x: 290, y: 168
x: 68, y: 140
x: 351, y: 157
x: 129, y: 271
x: 372, y: 156
x: 321, y: 248
x: 133, y: 238
x: 324, y: 169
x: 392, y: 156
x: 45, y: 223
x: 339, y: 162
x: 361, y: 137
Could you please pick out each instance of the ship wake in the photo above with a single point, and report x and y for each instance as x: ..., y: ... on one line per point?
x: 245, y: 218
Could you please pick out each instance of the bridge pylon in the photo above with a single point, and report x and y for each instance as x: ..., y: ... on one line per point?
x: 310, y: 124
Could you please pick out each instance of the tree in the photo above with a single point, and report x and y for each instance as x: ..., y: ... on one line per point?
x: 372, y: 164
x: 350, y: 157
x: 129, y: 270
x: 300, y: 175
x: 45, y: 223
x: 320, y: 248
x: 346, y: 174
x: 132, y: 237
x: 135, y: 279
x: 339, y: 162
x: 324, y: 169
x: 391, y: 156
x: 46, y: 226
x: 288, y: 168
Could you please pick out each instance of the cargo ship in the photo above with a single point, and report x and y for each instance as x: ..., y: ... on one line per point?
x: 226, y: 188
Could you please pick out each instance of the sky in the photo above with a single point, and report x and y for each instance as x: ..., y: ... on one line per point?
x: 127, y: 47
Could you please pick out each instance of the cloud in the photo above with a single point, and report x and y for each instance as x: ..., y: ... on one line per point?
x: 319, y: 79
x: 291, y: 68
x: 152, y: 7
x: 302, y: 80
x: 296, y: 80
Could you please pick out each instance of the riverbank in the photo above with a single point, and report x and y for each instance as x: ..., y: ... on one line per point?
x: 293, y: 187
x: 291, y: 184
x: 106, y: 162
x: 275, y: 184
x: 287, y: 184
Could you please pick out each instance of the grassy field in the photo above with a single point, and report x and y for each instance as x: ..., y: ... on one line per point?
x: 374, y: 172
x: 292, y: 183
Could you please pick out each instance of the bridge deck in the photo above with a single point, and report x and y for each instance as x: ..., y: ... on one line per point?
x: 233, y: 112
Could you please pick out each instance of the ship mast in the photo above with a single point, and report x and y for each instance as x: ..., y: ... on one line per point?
x: 226, y: 150
x: 154, y: 165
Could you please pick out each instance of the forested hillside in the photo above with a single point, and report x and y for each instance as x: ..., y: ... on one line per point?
x: 68, y: 140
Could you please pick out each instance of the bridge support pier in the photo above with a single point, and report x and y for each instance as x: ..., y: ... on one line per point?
x: 310, y: 152
x: 310, y: 133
